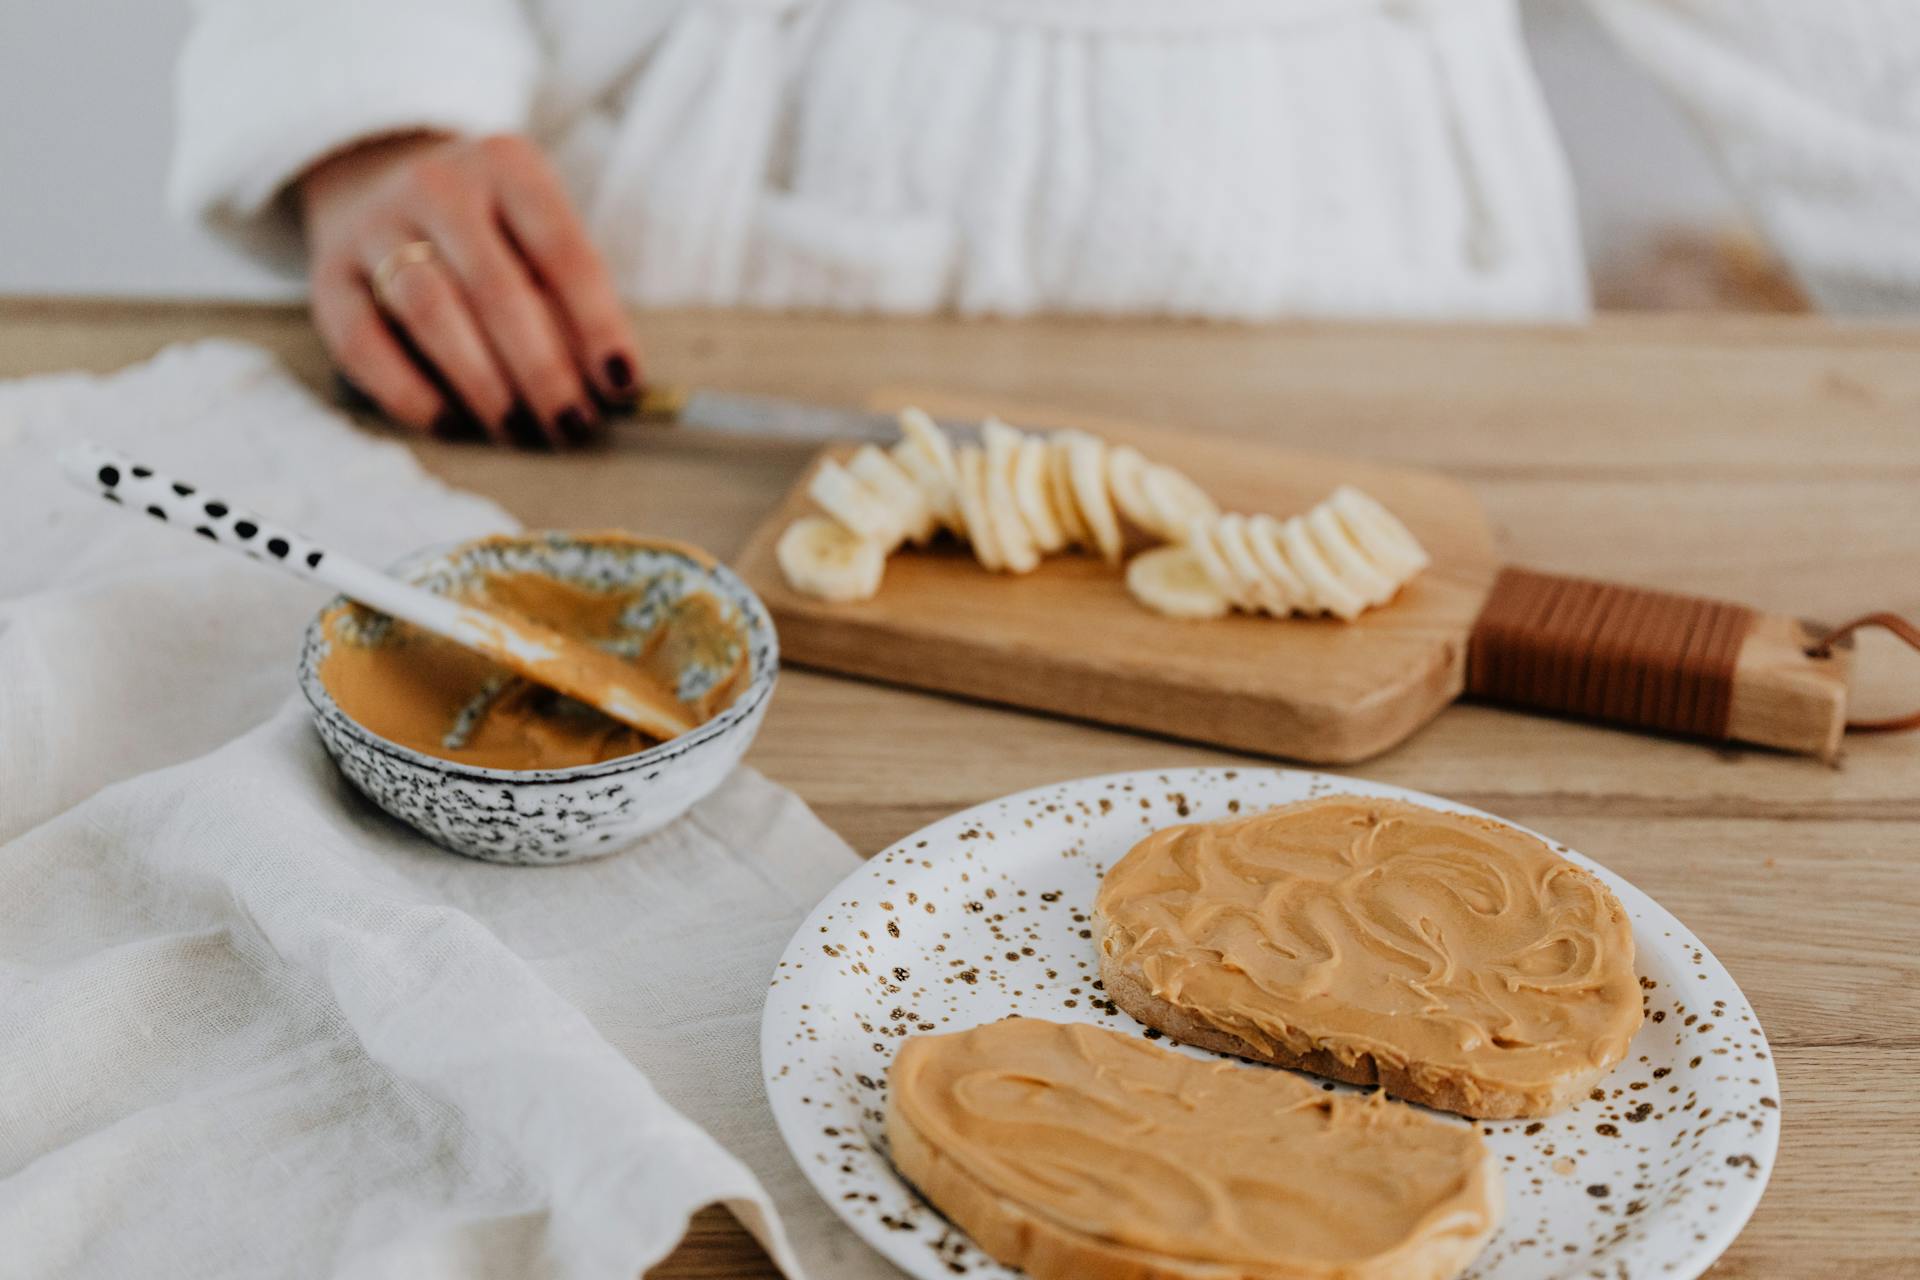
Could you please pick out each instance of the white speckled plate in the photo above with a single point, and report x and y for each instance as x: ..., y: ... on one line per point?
x: 984, y: 914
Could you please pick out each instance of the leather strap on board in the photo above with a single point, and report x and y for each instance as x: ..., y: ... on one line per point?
x: 1900, y: 627
x: 1607, y: 652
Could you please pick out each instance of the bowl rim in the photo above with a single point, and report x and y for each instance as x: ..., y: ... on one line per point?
x: 760, y: 682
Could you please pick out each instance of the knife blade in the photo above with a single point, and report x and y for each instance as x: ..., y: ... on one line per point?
x: 772, y: 418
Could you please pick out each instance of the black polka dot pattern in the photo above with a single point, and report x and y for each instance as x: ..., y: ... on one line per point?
x: 163, y: 499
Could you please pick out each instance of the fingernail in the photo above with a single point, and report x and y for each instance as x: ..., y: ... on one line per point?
x: 524, y: 429
x: 455, y: 423
x: 620, y: 373
x: 574, y: 426
x: 349, y: 394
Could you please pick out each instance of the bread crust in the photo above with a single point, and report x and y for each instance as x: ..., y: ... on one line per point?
x: 1457, y: 1092
x: 1046, y: 1250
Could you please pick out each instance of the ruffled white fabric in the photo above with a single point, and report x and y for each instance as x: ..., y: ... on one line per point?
x: 1247, y: 162
x: 1228, y: 158
x: 1815, y: 111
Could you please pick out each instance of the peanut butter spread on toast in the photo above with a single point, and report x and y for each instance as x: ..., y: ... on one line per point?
x: 1452, y: 948
x: 1145, y: 1149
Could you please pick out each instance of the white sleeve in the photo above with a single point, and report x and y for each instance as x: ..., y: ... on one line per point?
x: 1814, y: 111
x: 266, y: 87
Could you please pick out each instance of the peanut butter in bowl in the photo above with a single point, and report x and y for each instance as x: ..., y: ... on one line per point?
x: 392, y: 700
x: 441, y: 699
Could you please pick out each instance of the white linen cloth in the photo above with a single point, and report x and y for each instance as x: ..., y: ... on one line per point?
x: 1231, y: 158
x: 251, y: 1027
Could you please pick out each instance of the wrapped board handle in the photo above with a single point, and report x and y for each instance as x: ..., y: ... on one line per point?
x: 1659, y: 660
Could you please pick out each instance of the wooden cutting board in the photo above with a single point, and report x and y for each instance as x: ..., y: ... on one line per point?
x: 1068, y: 639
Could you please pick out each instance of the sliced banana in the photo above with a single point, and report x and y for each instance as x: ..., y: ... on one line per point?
x: 1379, y: 533
x: 1087, y: 468
x: 1017, y: 546
x: 1331, y: 538
x: 877, y: 470
x: 863, y: 511
x: 1234, y: 541
x: 1127, y: 479
x: 1327, y: 592
x: 1017, y: 497
x: 972, y: 491
x: 1171, y: 580
x: 1032, y: 491
x: 1175, y: 500
x: 823, y: 558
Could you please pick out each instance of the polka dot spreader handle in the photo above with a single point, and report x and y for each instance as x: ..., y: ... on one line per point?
x: 536, y: 652
x: 139, y: 487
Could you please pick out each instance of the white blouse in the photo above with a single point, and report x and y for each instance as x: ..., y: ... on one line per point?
x: 1242, y: 159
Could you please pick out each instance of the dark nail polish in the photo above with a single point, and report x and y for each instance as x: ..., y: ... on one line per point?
x: 350, y: 396
x: 524, y: 429
x: 620, y: 373
x: 455, y: 423
x: 574, y: 426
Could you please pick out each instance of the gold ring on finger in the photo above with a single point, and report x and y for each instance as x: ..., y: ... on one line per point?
x: 396, y: 261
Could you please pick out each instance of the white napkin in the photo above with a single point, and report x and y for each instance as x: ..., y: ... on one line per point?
x: 249, y: 1026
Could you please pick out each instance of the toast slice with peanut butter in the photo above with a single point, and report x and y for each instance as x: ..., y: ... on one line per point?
x: 1079, y: 1153
x: 1453, y: 961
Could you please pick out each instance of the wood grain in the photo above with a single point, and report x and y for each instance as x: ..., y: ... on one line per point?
x: 1769, y: 461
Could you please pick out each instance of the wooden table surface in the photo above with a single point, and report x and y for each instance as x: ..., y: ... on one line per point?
x: 1771, y: 461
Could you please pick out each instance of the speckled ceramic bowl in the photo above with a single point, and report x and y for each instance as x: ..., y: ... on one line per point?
x: 545, y: 816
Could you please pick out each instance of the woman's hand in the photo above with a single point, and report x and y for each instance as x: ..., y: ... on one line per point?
x: 508, y: 320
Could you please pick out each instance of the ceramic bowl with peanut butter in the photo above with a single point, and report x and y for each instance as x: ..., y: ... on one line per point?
x: 492, y: 766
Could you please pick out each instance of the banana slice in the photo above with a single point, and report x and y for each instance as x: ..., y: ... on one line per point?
x: 972, y: 492
x: 1016, y: 541
x: 1060, y: 493
x: 1231, y: 537
x: 1087, y: 470
x: 1175, y: 501
x: 1213, y: 564
x: 927, y: 455
x: 823, y: 558
x: 1333, y: 541
x: 863, y: 511
x: 1170, y: 580
x: 877, y: 470
x: 1032, y: 490
x: 1326, y: 591
x: 1379, y: 534
x: 935, y: 486
x: 1264, y: 536
x: 1127, y: 478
